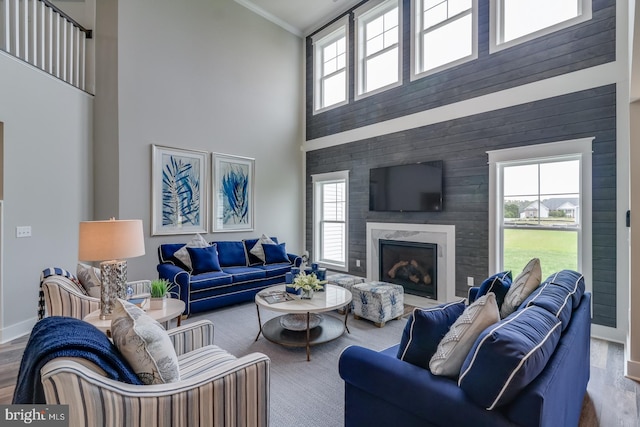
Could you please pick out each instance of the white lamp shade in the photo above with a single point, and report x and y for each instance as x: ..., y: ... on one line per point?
x: 110, y: 240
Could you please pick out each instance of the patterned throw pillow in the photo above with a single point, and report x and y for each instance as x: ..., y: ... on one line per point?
x: 455, y: 345
x: 522, y: 287
x: 144, y: 343
x: 183, y: 255
x: 257, y: 249
x: 89, y: 279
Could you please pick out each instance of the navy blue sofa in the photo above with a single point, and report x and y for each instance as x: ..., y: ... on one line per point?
x: 382, y: 390
x: 241, y: 275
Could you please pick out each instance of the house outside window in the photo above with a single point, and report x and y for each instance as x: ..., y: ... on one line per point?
x: 378, y: 41
x: 444, y: 34
x: 540, y: 206
x: 331, y: 59
x: 330, y: 225
x: 517, y: 21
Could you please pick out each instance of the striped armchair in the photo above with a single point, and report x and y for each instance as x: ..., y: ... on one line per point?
x: 62, y: 295
x: 215, y: 388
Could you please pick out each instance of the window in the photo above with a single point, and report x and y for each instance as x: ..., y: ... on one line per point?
x: 445, y: 34
x: 541, y: 207
x: 330, y: 204
x: 330, y: 56
x: 378, y: 40
x: 517, y: 21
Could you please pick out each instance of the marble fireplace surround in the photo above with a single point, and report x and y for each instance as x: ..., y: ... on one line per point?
x: 442, y: 235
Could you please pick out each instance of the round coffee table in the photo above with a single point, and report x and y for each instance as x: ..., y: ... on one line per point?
x: 304, y: 325
x: 173, y: 308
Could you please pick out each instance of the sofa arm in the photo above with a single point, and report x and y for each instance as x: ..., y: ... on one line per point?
x: 192, y: 336
x: 179, y: 279
x: 206, y: 397
x: 381, y: 389
x: 296, y: 260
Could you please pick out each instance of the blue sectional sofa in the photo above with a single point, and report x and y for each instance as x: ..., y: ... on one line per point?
x: 238, y: 277
x: 381, y: 389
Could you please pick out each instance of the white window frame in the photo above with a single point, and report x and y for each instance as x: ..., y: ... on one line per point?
x: 338, y: 29
x: 416, y: 39
x: 576, y: 148
x: 318, y: 180
x: 363, y: 15
x: 496, y: 24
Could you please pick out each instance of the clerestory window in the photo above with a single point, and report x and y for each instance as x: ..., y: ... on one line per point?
x: 330, y: 57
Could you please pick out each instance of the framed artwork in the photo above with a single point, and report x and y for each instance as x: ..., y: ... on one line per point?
x: 179, y: 191
x: 232, y: 193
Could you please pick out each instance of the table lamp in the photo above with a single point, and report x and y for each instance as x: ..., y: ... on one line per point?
x: 111, y: 242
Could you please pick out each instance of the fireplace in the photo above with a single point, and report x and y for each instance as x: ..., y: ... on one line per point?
x: 440, y: 235
x: 413, y: 265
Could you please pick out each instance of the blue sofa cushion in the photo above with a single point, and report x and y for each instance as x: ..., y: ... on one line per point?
x: 204, y: 260
x: 245, y: 274
x: 556, y: 295
x: 508, y: 356
x: 210, y: 280
x: 424, y: 330
x: 231, y: 254
x: 275, y: 254
x: 499, y: 284
x: 251, y: 258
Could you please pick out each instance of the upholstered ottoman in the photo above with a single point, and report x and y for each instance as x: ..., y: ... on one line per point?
x: 378, y: 302
x: 346, y: 281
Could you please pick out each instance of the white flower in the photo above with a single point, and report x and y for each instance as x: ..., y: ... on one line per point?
x: 307, y: 282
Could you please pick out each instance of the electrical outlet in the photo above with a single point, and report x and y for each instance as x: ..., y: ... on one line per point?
x: 469, y: 281
x: 357, y: 263
x: 23, y: 231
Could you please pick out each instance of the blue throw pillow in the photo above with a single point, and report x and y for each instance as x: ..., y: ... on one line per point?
x: 204, y: 260
x: 274, y: 254
x: 231, y: 254
x: 509, y: 356
x: 499, y: 284
x: 424, y: 330
x: 251, y: 258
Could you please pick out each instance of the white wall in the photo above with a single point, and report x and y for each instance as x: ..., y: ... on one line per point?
x: 212, y: 76
x: 47, y: 181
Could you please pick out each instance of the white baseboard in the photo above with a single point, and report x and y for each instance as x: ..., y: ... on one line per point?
x: 16, y: 331
x: 633, y: 370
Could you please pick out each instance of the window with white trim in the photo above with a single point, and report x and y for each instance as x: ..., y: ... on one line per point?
x: 444, y: 34
x: 331, y: 58
x: 330, y: 226
x: 378, y: 41
x: 517, y: 21
x: 540, y: 207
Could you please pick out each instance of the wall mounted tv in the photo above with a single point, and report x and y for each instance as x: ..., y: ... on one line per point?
x: 415, y: 187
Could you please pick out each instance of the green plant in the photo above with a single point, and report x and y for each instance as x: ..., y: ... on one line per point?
x: 160, y: 288
x: 307, y: 282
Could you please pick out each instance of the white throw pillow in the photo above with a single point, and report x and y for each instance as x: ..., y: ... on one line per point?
x: 257, y: 249
x: 89, y: 279
x: 183, y: 255
x: 521, y: 288
x: 144, y: 343
x: 457, y: 343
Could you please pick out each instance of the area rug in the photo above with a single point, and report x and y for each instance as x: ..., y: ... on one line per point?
x: 306, y: 394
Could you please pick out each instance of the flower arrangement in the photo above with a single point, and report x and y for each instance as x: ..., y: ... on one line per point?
x: 307, y: 282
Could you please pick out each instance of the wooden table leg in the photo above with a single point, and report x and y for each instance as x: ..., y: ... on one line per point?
x: 260, y: 323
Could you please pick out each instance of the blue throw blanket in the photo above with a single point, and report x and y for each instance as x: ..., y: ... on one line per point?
x: 59, y: 336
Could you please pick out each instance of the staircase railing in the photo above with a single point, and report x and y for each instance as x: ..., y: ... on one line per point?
x: 39, y: 33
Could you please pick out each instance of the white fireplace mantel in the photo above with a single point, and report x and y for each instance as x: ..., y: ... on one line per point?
x: 442, y: 235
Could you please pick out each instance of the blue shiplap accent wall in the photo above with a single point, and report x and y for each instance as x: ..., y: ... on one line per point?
x: 462, y: 143
x: 580, y: 46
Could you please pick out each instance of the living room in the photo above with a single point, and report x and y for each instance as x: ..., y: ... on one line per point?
x: 217, y: 77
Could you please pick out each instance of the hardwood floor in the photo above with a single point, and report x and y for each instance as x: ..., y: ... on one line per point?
x: 611, y: 400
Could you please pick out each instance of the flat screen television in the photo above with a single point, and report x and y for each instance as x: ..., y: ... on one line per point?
x: 415, y: 187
